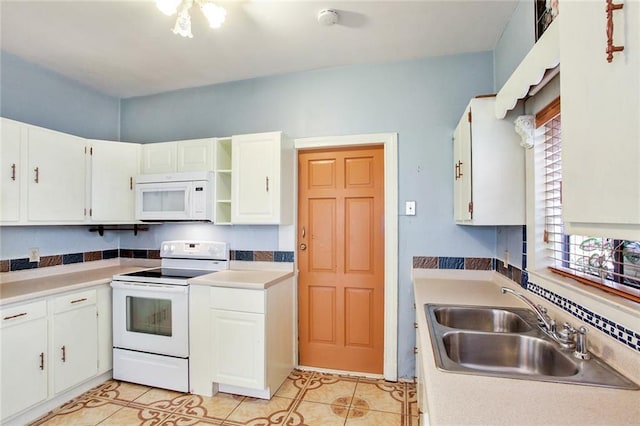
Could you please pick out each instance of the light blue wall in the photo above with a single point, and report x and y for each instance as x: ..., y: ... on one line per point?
x: 517, y: 39
x: 34, y: 95
x: 421, y: 100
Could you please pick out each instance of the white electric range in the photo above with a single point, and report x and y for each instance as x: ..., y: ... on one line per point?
x: 151, y: 314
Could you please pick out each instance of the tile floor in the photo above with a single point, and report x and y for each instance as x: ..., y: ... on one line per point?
x: 305, y: 398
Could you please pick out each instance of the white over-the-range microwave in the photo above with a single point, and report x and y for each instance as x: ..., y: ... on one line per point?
x: 175, y: 196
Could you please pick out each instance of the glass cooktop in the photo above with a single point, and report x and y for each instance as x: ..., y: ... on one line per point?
x: 169, y: 273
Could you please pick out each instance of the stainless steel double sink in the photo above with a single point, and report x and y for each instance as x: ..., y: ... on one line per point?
x: 507, y: 342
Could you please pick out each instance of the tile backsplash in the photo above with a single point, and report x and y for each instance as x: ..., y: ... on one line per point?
x: 89, y: 256
x: 622, y: 334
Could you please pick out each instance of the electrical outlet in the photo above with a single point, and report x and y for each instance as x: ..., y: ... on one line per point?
x: 34, y: 255
x: 506, y: 257
x: 410, y: 208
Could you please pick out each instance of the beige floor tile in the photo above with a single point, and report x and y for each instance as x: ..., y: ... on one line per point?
x: 121, y: 391
x: 294, y: 384
x: 183, y: 420
x: 217, y: 407
x: 382, y: 396
x: 358, y: 416
x: 330, y: 389
x: 317, y: 414
x: 130, y: 416
x: 254, y: 411
x: 161, y: 399
x: 81, y: 412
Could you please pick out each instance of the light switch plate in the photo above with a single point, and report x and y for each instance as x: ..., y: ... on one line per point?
x: 34, y: 255
x: 410, y: 208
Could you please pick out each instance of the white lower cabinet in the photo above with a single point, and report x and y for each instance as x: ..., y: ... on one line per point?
x: 244, y: 343
x: 23, y: 366
x: 74, y: 339
x: 238, y: 348
x: 49, y: 349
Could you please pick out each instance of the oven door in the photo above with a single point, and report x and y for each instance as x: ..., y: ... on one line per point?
x: 151, y: 318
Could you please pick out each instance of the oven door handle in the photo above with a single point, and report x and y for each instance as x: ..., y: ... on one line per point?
x: 157, y: 288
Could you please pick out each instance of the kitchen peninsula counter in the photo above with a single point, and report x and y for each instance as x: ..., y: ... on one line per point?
x: 243, y: 278
x: 464, y: 399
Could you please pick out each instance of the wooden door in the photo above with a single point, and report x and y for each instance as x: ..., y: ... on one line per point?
x: 341, y: 258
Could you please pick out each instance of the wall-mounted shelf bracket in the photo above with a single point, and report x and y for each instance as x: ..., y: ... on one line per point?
x: 135, y: 228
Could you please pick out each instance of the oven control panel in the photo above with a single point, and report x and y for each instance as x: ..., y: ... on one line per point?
x: 184, y: 249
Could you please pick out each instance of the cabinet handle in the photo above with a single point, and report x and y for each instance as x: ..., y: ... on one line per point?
x: 611, y: 48
x: 267, y: 182
x: 37, y: 170
x: 15, y: 316
x: 131, y: 183
x: 457, y: 171
x: 79, y: 300
x: 41, y: 360
x: 13, y: 171
x: 64, y: 354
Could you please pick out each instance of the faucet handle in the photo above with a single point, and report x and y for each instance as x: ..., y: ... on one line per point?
x: 581, y: 351
x: 542, y: 309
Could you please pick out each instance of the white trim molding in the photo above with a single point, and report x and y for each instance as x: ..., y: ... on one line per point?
x: 390, y: 143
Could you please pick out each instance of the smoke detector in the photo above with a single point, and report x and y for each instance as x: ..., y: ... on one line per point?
x: 327, y: 17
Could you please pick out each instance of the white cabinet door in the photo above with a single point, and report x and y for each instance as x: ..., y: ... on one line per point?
x: 600, y: 107
x: 255, y: 178
x: 462, y: 169
x: 74, y: 352
x: 10, y: 169
x: 114, y: 166
x: 56, y: 176
x: 23, y: 363
x: 489, y: 164
x: 238, y: 348
x: 105, y: 329
x: 159, y: 157
x: 196, y: 155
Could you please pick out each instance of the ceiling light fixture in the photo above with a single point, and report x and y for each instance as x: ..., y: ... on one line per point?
x: 215, y: 14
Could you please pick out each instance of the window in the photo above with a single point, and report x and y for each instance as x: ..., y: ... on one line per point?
x: 609, y: 264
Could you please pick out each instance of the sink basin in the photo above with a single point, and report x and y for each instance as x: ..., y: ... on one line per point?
x: 482, y: 319
x: 507, y: 342
x: 507, y: 353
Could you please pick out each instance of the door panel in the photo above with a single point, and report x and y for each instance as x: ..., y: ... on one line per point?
x: 341, y: 258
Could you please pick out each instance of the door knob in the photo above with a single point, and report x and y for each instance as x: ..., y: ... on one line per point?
x: 303, y: 246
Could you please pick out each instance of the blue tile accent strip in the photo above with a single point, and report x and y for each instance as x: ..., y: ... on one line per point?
x: 283, y: 256
x: 72, y: 258
x: 624, y: 335
x: 245, y: 255
x: 19, y: 264
x: 451, y: 263
x: 110, y: 254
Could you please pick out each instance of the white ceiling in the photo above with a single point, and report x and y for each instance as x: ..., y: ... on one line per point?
x: 126, y: 48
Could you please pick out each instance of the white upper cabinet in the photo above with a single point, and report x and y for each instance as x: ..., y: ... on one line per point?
x: 488, y: 168
x: 261, y: 179
x: 196, y: 155
x: 600, y: 107
x: 56, y: 180
x: 159, y: 157
x: 10, y: 171
x: 114, y: 166
x: 178, y: 156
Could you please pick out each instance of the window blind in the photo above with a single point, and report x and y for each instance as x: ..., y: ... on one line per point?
x: 609, y: 264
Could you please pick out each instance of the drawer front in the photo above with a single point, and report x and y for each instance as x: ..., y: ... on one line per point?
x: 74, y: 300
x: 18, y: 314
x: 237, y: 299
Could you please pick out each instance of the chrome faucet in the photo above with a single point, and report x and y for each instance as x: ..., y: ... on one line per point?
x: 543, y: 319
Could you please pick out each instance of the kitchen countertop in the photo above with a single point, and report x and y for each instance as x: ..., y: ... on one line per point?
x: 46, y: 285
x: 457, y: 399
x: 243, y: 278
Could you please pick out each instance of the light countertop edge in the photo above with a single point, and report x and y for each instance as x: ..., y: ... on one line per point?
x: 246, y: 279
x: 472, y: 399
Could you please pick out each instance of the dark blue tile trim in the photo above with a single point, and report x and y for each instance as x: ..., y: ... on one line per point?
x: 283, y: 256
x: 451, y: 263
x: 245, y: 255
x: 72, y: 258
x: 20, y: 264
x: 110, y: 254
